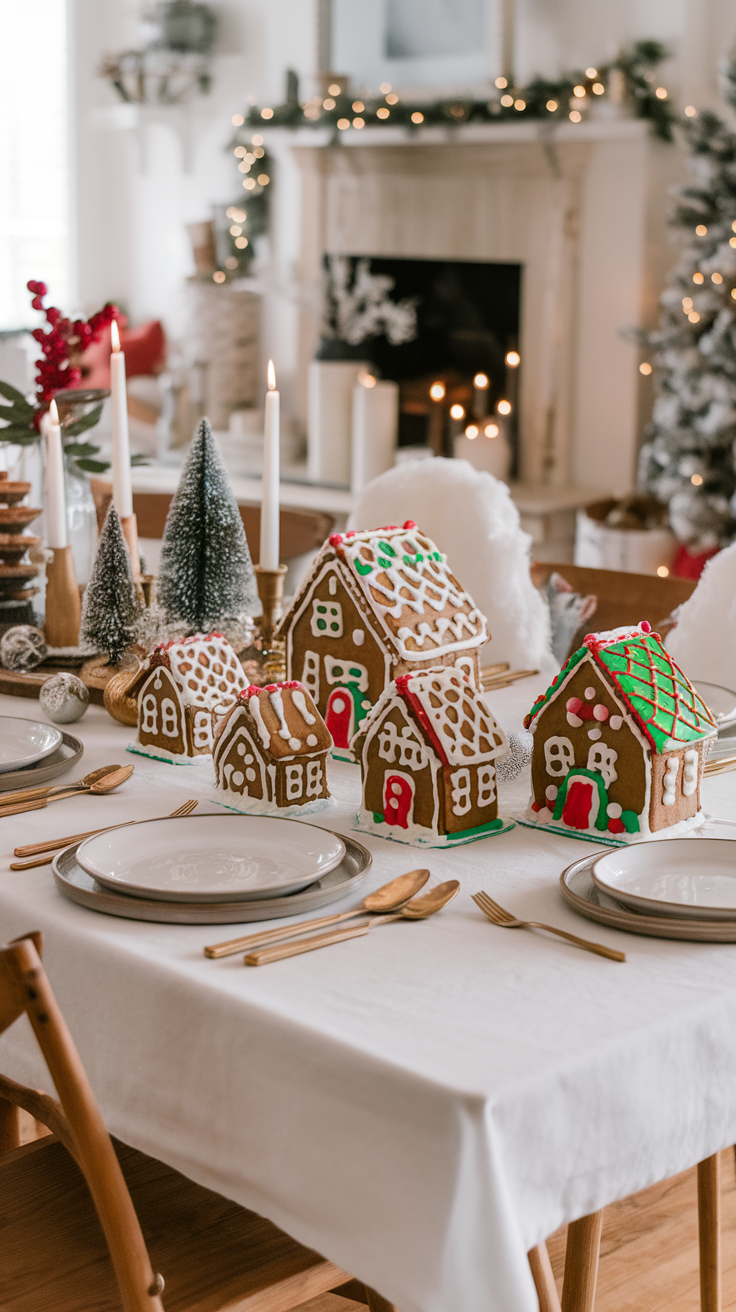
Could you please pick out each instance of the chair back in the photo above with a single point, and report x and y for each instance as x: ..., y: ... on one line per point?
x: 76, y: 1118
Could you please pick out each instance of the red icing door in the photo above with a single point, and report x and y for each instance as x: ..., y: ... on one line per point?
x: 398, y: 796
x: 578, y: 809
x: 339, y: 716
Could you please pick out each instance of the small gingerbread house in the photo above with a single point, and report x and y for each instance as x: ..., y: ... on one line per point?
x: 376, y: 605
x: 428, y: 753
x: 619, y: 741
x: 179, y: 689
x: 270, y: 751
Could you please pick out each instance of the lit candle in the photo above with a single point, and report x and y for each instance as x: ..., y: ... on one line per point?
x: 481, y: 383
x: 122, y: 491
x: 55, y: 500
x: 375, y: 429
x: 270, y: 497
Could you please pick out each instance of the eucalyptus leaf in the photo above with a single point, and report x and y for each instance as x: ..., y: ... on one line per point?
x: 19, y: 435
x: 139, y: 460
x: 17, y: 398
x: 92, y: 466
x: 81, y: 449
x: 81, y: 425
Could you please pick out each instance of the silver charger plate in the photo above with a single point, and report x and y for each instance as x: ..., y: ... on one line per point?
x: 69, y: 751
x: 76, y: 884
x: 580, y: 892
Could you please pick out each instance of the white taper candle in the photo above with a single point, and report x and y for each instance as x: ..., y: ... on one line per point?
x: 269, y: 556
x: 122, y: 490
x: 55, y: 500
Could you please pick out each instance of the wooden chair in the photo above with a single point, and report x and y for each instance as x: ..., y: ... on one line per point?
x: 75, y: 1204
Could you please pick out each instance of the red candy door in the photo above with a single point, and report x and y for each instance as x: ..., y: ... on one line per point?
x: 339, y: 716
x: 578, y: 809
x: 398, y: 796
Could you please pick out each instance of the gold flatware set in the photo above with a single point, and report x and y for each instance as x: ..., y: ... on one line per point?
x: 44, y: 853
x: 98, y: 782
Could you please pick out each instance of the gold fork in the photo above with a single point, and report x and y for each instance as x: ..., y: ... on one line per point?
x: 498, y: 916
x: 45, y: 852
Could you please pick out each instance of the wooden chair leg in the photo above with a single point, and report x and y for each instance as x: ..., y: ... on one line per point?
x: 9, y: 1126
x: 544, y: 1280
x: 709, y: 1234
x: 581, y: 1263
x: 378, y: 1304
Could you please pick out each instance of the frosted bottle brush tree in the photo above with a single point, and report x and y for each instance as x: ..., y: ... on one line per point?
x: 110, y: 602
x: 206, y: 576
x: 689, y: 460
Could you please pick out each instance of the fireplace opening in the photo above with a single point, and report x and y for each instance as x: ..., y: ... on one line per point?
x: 456, y: 360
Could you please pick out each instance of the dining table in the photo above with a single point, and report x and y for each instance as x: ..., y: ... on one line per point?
x: 422, y: 1105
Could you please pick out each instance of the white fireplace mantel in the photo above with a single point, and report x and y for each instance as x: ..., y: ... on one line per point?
x: 580, y: 206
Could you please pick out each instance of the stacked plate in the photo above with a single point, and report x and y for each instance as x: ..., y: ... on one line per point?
x: 210, y: 869
x: 32, y: 753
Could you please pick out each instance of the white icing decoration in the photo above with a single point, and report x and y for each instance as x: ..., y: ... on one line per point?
x: 241, y: 749
x: 358, y: 637
x: 589, y: 694
x: 300, y: 702
x: 333, y: 585
x: 559, y: 756
x: 326, y: 619
x: 314, y: 778
x: 614, y: 810
x: 551, y: 792
x: 237, y: 777
x: 208, y: 661
x: 406, y: 747
x: 602, y: 759
x: 486, y: 779
x: 462, y: 718
x: 311, y: 740
x: 310, y: 674
x: 690, y: 772
x: 295, y: 744
x: 460, y: 781
x: 669, y: 795
x: 250, y: 774
x: 255, y: 710
x: 277, y: 701
x: 616, y: 721
x: 294, y: 781
x: 594, y: 733
x: 346, y: 671
x: 338, y: 705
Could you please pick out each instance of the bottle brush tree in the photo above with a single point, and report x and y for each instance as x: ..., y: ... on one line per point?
x: 110, y: 602
x: 689, y: 460
x: 206, y: 574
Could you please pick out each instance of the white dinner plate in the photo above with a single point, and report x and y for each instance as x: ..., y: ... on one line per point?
x: 211, y: 858
x: 24, y: 741
x: 721, y: 701
x: 684, y: 877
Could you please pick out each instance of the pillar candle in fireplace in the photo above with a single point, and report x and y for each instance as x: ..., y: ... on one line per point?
x: 375, y: 429
x: 481, y: 384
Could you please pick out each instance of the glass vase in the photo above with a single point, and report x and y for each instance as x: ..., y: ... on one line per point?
x: 81, y: 519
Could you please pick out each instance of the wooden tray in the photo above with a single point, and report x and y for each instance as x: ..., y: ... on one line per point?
x: 75, y: 883
x: 67, y: 754
x: 15, y: 684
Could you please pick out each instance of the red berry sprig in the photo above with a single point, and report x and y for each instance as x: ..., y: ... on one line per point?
x: 63, y: 346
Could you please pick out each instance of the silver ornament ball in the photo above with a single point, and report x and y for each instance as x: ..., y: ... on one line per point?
x: 22, y: 648
x: 64, y: 698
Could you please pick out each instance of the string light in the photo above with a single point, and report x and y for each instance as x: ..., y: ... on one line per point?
x: 661, y: 93
x: 574, y: 116
x: 358, y: 106
x: 457, y: 412
x: 662, y: 571
x: 697, y: 480
x: 513, y: 359
x: 698, y: 278
x: 504, y: 407
x: 384, y: 88
x: 237, y: 120
x: 733, y: 293
x: 241, y: 243
x: 236, y: 230
x: 249, y: 183
x: 480, y: 380
x: 437, y: 391
x: 267, y: 113
x: 343, y: 123
x: 501, y: 82
x: 717, y: 278
x: 259, y: 152
x: 591, y: 72
x: 598, y: 89
x: 328, y: 103
x: 687, y: 302
x: 471, y: 431
x: 519, y: 104
x: 732, y: 241
x: 334, y: 89
x: 552, y: 106
x: 366, y: 379
x: 243, y: 167
x: 491, y: 430
x: 691, y: 111
x: 231, y: 262
x: 694, y: 317
x: 417, y: 117
x: 645, y: 368
x: 380, y: 113
x: 218, y: 276
x: 701, y: 230
x: 240, y: 151
x: 358, y: 122
x: 257, y: 140
x: 579, y: 92
x: 392, y: 98
x: 507, y: 101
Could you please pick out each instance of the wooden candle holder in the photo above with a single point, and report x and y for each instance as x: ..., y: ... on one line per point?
x: 129, y: 525
x: 63, y: 603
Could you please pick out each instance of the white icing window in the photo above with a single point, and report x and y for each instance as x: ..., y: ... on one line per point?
x: 602, y: 758
x: 460, y: 781
x: 358, y: 637
x: 169, y: 718
x: 314, y: 778
x: 486, y: 784
x: 149, y: 714
x: 341, y: 671
x: 467, y: 665
x: 690, y: 772
x: 202, y: 729
x: 326, y: 619
x: 559, y: 756
x: 333, y: 585
x: 310, y: 674
x: 405, y: 747
x: 294, y: 782
x: 669, y: 795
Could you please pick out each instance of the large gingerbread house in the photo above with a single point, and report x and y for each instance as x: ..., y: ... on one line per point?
x: 376, y: 605
x: 428, y: 753
x: 619, y: 741
x: 179, y: 689
x: 270, y: 752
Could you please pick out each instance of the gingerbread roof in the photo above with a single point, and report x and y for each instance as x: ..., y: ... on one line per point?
x: 641, y: 672
x: 205, y: 668
x: 453, y: 716
x: 421, y: 608
x: 285, y: 720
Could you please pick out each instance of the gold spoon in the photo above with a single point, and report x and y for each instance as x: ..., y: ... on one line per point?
x: 102, y: 786
x: 418, y: 909
x: 46, y: 853
x: 387, y: 898
x: 32, y: 794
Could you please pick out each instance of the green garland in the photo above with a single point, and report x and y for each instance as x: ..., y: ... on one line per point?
x: 547, y: 101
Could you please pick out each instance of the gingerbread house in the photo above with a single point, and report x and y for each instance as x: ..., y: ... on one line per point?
x: 376, y: 605
x: 428, y: 753
x: 270, y: 751
x: 619, y: 741
x: 179, y: 689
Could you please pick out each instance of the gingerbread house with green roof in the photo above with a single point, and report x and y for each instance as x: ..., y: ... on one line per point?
x: 620, y: 739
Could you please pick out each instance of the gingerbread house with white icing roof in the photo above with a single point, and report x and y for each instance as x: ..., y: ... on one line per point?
x: 620, y: 739
x: 270, y: 751
x: 179, y: 689
x: 428, y: 753
x: 377, y: 605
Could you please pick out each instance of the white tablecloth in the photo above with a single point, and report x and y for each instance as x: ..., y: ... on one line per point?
x: 421, y: 1105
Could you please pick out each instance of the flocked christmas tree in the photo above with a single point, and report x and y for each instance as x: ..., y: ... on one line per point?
x: 206, y: 575
x: 110, y: 602
x: 689, y: 460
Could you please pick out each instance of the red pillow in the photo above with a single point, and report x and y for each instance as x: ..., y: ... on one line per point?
x: 145, y: 354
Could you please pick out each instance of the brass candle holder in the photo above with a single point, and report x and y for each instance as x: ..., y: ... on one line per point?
x: 264, y: 661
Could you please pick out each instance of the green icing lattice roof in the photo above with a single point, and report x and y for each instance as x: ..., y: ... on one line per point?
x: 663, y: 700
